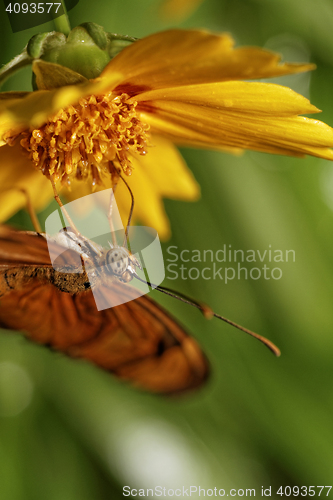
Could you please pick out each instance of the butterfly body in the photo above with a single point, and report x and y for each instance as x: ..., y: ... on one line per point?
x: 54, y: 305
x: 115, y: 263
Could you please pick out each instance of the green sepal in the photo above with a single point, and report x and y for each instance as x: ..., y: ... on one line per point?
x: 116, y: 43
x: 48, y: 76
x: 83, y: 54
x: 42, y: 43
x: 97, y: 33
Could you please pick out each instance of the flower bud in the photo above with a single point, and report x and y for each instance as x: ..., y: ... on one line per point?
x: 83, y: 51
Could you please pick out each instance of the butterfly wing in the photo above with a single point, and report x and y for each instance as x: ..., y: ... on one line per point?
x: 27, y: 248
x: 20, y: 248
x: 147, y: 347
x: 138, y: 341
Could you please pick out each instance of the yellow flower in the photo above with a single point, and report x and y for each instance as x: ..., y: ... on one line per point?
x: 177, y: 87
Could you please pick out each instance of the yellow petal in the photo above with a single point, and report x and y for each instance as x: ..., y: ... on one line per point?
x: 162, y: 173
x: 148, y: 207
x: 293, y: 135
x: 184, y: 57
x: 34, y: 108
x: 17, y: 172
x: 12, y: 94
x: 249, y: 97
x: 167, y: 170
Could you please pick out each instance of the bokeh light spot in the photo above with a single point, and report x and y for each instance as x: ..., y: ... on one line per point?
x: 16, y: 389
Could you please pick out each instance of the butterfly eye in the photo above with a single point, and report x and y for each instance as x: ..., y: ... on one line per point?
x: 117, y: 261
x: 126, y: 277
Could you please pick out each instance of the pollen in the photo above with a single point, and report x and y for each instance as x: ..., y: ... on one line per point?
x: 88, y: 141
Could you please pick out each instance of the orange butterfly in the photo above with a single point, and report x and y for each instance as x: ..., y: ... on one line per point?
x: 137, y: 341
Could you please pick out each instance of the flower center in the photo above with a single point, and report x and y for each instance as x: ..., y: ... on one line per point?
x: 88, y: 140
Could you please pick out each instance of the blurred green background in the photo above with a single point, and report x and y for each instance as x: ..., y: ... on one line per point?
x: 69, y: 431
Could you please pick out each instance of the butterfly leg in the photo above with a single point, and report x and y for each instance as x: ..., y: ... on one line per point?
x: 63, y: 209
x: 30, y: 209
x: 71, y: 223
x: 116, y: 175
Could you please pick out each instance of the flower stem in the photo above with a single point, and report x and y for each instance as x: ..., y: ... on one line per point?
x: 62, y: 22
x: 18, y: 62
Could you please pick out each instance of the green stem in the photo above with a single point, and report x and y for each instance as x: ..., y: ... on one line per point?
x: 62, y: 22
x: 18, y: 62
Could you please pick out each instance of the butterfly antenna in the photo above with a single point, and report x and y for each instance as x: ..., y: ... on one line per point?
x: 131, y: 210
x: 209, y: 313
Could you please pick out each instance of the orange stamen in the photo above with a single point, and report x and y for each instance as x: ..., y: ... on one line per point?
x: 80, y: 141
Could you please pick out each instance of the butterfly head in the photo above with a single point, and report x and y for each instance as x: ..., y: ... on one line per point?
x: 121, y: 263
